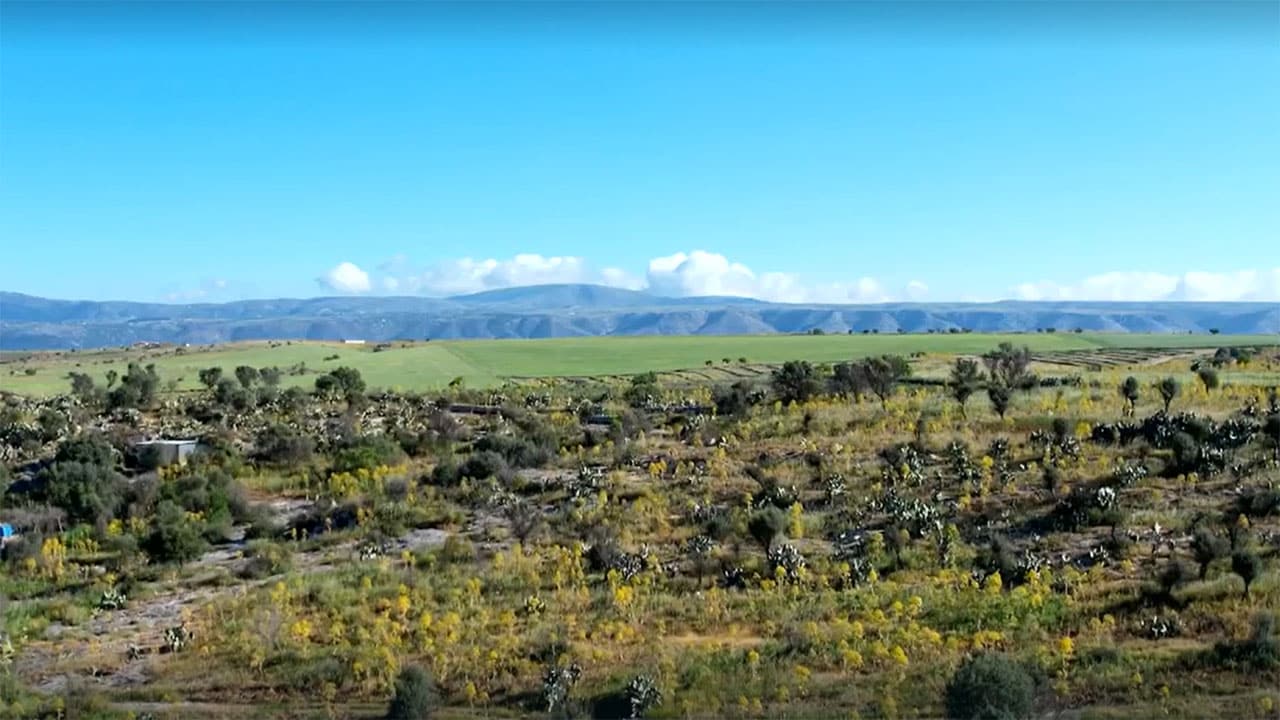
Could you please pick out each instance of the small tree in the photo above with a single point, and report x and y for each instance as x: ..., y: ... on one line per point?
x: 989, y: 687
x: 1169, y: 389
x: 247, y: 376
x: 270, y: 376
x: 1009, y: 366
x: 883, y: 374
x: 966, y: 378
x: 1000, y: 397
x: 1207, y: 546
x: 82, y: 387
x: 341, y: 382
x: 795, y: 381
x: 1248, y: 566
x: 1209, y: 378
x: 1129, y: 390
x: 415, y: 695
x: 210, y: 376
x: 848, y: 380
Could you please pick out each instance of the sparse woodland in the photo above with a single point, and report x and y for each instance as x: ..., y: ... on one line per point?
x: 984, y: 536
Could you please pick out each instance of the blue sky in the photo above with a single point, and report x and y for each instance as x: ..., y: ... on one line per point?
x: 853, y: 152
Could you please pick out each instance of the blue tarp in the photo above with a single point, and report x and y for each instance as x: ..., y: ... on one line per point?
x: 6, y: 530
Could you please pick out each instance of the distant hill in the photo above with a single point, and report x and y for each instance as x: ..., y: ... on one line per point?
x: 29, y: 323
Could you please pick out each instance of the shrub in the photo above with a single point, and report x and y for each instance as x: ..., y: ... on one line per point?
x: 52, y: 423
x: 642, y: 390
x: 989, y: 687
x: 457, y: 550
x: 766, y: 525
x: 415, y: 695
x: 1169, y: 389
x: 736, y: 399
x: 266, y: 559
x: 174, y: 538
x: 483, y: 465
x: 1209, y: 377
x: 281, y: 445
x: 368, y: 453
x: 1248, y: 566
x: 521, y: 452
x: 1261, y: 650
x: 87, y: 449
x: 87, y: 492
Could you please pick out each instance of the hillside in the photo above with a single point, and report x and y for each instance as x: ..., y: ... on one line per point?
x: 28, y: 322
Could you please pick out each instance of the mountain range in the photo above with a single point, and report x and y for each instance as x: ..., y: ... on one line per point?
x: 29, y: 323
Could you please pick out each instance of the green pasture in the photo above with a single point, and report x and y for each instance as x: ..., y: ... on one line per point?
x: 484, y: 363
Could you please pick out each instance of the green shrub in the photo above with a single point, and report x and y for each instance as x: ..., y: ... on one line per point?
x: 87, y: 449
x: 281, y: 445
x: 415, y: 695
x: 521, y: 452
x: 989, y: 687
x: 368, y: 453
x: 267, y: 559
x: 1248, y: 566
x: 174, y: 538
x: 766, y: 525
x: 87, y: 492
x: 457, y: 550
x: 1260, y: 651
x: 483, y: 465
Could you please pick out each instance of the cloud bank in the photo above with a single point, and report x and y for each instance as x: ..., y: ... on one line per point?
x: 1243, y: 285
x: 702, y: 273
x: 207, y: 290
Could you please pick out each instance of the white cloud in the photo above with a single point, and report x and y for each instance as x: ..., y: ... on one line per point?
x: 206, y: 289
x: 468, y: 275
x: 346, y: 277
x: 619, y: 278
x: 695, y: 273
x: 705, y: 273
x: 702, y: 273
x: 1244, y: 285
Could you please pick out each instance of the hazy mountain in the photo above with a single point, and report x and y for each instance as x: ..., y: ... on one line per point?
x: 28, y: 322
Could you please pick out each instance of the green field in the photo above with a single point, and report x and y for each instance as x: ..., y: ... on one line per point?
x: 485, y: 363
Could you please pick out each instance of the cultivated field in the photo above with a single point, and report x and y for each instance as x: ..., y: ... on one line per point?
x: 487, y: 363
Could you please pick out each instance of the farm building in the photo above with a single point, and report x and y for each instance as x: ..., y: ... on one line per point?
x: 167, y: 452
x: 353, y: 342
